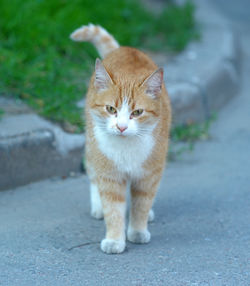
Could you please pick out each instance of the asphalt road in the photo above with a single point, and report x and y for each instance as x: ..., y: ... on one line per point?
x: 201, y: 235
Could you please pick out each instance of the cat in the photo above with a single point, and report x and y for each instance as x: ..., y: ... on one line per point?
x: 128, y: 118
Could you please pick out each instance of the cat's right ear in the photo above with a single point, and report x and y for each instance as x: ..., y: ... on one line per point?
x: 102, y: 78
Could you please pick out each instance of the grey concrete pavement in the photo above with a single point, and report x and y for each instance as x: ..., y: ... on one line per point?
x: 201, y: 234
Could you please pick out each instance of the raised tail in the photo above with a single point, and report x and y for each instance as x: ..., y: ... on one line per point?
x: 98, y: 36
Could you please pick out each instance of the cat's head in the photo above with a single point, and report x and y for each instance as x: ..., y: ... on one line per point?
x: 126, y: 107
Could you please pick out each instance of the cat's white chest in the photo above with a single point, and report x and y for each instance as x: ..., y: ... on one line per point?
x: 127, y: 153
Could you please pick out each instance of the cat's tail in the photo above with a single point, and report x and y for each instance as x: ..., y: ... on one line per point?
x: 98, y: 36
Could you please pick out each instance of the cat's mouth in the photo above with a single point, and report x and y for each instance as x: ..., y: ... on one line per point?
x: 121, y: 134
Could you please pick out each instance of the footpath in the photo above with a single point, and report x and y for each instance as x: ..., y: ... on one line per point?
x: 200, y: 81
x: 200, y: 236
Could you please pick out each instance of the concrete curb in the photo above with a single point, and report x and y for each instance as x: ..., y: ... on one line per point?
x: 32, y: 156
x: 200, y: 81
x: 33, y: 149
x: 196, y: 95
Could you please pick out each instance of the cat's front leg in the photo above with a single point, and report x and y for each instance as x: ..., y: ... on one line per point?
x: 95, y: 201
x: 151, y: 216
x: 142, y: 196
x: 113, y: 197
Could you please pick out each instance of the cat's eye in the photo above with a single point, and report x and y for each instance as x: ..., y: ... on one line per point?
x: 137, y: 113
x: 111, y: 109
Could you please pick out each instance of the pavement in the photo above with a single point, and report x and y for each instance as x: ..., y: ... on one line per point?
x: 200, y: 81
x: 201, y: 233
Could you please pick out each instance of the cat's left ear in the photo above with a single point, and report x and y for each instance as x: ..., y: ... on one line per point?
x: 153, y: 83
x: 102, y: 78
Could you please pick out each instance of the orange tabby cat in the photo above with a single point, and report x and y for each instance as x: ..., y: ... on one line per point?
x: 128, y: 118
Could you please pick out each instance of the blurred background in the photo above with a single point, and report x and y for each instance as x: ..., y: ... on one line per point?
x: 40, y: 65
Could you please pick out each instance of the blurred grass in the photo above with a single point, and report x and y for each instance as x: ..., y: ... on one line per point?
x: 191, y: 132
x: 1, y: 113
x: 39, y: 64
x: 183, y: 137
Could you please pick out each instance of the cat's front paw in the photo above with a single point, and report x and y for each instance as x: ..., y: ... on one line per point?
x: 151, y: 216
x: 112, y: 246
x: 137, y: 236
x: 97, y: 213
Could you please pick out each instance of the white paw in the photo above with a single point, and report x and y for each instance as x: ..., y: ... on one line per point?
x: 151, y: 216
x: 138, y: 236
x: 97, y: 213
x: 112, y: 246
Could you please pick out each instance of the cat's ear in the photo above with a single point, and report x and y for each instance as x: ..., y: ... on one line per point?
x: 153, y: 83
x: 102, y: 78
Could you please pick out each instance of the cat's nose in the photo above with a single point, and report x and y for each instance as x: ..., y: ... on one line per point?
x: 122, y: 128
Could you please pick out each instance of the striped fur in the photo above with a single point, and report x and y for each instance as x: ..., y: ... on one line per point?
x: 123, y: 149
x: 98, y: 36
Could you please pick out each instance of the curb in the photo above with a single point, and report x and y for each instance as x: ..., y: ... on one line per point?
x: 200, y: 81
x: 195, y: 96
x: 34, y: 152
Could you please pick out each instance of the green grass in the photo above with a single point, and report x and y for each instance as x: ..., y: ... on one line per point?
x: 191, y: 133
x: 39, y: 64
x: 1, y: 113
x: 183, y: 137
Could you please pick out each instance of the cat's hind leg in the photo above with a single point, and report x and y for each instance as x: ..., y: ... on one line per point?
x: 142, y: 196
x: 95, y: 202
